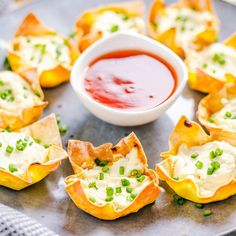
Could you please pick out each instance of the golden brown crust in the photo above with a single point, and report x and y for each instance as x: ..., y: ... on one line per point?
x: 32, y: 26
x: 168, y: 38
x: 85, y: 22
x: 211, y: 104
x: 82, y: 156
x: 203, y: 82
x: 47, y: 131
x: 27, y: 115
x: 189, y: 133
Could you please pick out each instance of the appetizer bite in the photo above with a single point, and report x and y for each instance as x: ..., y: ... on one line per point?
x: 212, y: 67
x: 217, y: 112
x: 37, y: 46
x: 30, y: 154
x: 103, y: 21
x: 183, y: 25
x: 197, y: 167
x: 111, y: 181
x: 21, y: 99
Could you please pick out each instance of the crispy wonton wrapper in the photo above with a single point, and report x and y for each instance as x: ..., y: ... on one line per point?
x: 85, y: 22
x: 83, y: 154
x: 46, y: 130
x: 32, y: 26
x: 203, y: 82
x: 168, y: 37
x: 189, y: 133
x: 211, y: 104
x: 28, y: 115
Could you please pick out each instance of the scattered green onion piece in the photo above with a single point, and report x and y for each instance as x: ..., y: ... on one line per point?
x: 122, y: 170
x: 101, y: 163
x: 114, y: 28
x: 210, y: 171
x: 194, y: 155
x: 46, y: 145
x: 118, y: 190
x: 199, y: 165
x: 62, y: 129
x: 175, y: 177
x: 178, y: 200
x: 91, y: 199
x: 125, y: 182
x: 9, y: 149
x: 12, y: 168
x: 129, y: 189
x: 210, y: 120
x: 105, y: 169
x: 109, y: 199
x: 101, y: 176
x: 37, y: 140
x: 207, y: 212
x: 141, y: 178
x: 109, y: 191
x: 199, y: 205
x: 92, y: 185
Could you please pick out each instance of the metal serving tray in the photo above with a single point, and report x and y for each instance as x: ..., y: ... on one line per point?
x: 48, y: 202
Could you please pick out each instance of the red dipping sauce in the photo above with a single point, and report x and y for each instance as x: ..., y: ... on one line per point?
x: 130, y: 80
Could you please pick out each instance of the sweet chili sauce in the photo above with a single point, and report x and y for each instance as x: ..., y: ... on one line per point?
x: 130, y: 80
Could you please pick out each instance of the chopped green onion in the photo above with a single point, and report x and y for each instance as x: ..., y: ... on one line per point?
x: 92, y: 185
x: 101, y: 176
x: 45, y: 145
x: 216, y: 153
x: 207, y: 212
x: 101, y: 163
x: 62, y: 129
x: 37, y: 94
x: 175, y: 177
x: 215, y: 165
x: 118, y: 190
x: 58, y: 118
x: 125, y: 18
x: 204, y: 65
x: 132, y: 196
x: 199, y: 205
x: 114, y: 28
x: 109, y: 191
x: 135, y: 173
x: 210, y: 120
x: 21, y: 145
x: 6, y: 64
x: 91, y: 199
x: 228, y: 114
x: 109, y: 199
x: 199, y: 165
x: 194, y: 155
x: 210, y: 171
x: 105, y: 169
x: 129, y: 189
x: 178, y: 200
x: 122, y: 170
x: 125, y: 182
x: 1, y: 83
x: 12, y: 168
x: 9, y: 149
x: 0, y: 145
x: 37, y: 140
x: 141, y: 178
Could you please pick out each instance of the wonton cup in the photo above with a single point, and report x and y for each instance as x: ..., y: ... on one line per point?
x: 203, y: 82
x: 88, y: 18
x: 189, y: 133
x: 28, y: 115
x: 168, y: 37
x: 32, y: 26
x: 211, y: 104
x: 83, y: 154
x: 47, y: 131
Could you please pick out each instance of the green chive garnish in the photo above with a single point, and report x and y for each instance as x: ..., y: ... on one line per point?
x: 62, y: 129
x: 114, y: 28
x: 109, y: 191
x: 105, y: 169
x: 101, y: 163
x: 122, y: 170
x: 194, y: 155
x: 91, y: 199
x: 37, y: 140
x: 199, y: 205
x: 228, y: 114
x: 207, y: 212
x: 199, y: 165
x: 12, y: 168
x: 118, y: 190
x: 21, y: 145
x: 210, y: 171
x: 9, y: 149
x: 135, y: 173
x: 109, y: 199
x: 125, y: 182
x: 141, y: 178
x: 101, y: 176
x: 92, y: 185
x: 129, y: 189
x: 175, y: 177
x: 215, y: 165
x: 178, y: 200
x: 210, y: 120
x: 46, y: 145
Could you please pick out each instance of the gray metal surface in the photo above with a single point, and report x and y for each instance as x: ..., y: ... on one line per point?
x: 48, y: 202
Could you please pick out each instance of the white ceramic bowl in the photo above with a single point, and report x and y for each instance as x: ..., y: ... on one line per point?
x: 124, y: 41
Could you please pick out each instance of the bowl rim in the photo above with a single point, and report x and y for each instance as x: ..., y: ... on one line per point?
x: 82, y: 93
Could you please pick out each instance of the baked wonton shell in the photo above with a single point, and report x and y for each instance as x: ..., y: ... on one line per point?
x: 46, y: 130
x: 83, y: 154
x: 203, y: 82
x: 168, y: 37
x: 211, y: 104
x: 32, y: 26
x: 85, y: 22
x: 189, y: 133
x: 27, y: 115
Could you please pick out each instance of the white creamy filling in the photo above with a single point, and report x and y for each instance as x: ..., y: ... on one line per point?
x: 188, y: 23
x: 45, y: 52
x: 216, y: 60
x: 15, y: 93
x: 113, y: 179
x: 226, y: 117
x: 17, y: 161
x: 207, y: 184
x: 110, y: 22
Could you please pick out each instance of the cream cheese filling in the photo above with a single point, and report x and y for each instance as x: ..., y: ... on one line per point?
x: 43, y: 53
x: 109, y: 22
x: 15, y: 93
x: 225, y: 118
x: 113, y: 179
x: 15, y: 160
x: 207, y: 182
x: 188, y: 23
x: 216, y: 60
